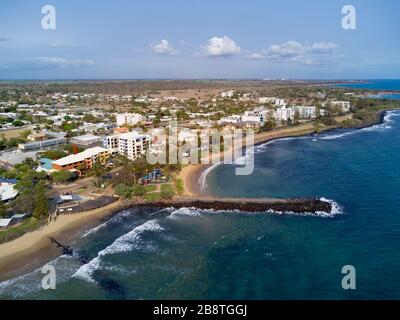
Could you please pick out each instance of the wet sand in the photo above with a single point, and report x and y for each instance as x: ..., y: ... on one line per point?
x: 34, y: 249
x: 191, y: 174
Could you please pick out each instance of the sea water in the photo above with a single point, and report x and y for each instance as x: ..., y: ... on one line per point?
x: 196, y: 254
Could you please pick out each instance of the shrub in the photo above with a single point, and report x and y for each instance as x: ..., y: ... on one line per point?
x: 123, y: 191
x: 139, y: 191
x: 179, y: 185
x: 167, y: 192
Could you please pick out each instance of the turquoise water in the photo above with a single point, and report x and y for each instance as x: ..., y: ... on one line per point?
x: 392, y: 96
x: 386, y: 84
x: 191, y: 254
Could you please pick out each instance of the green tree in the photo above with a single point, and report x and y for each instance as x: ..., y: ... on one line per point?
x: 123, y: 191
x: 61, y: 176
x: 296, y: 118
x: 3, y: 209
x: 268, y: 125
x: 53, y: 154
x: 167, y: 192
x: 41, y: 209
x: 98, y: 170
x: 139, y: 191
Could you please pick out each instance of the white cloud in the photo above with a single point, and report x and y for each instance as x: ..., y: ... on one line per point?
x: 255, y: 56
x: 61, y: 44
x: 297, y: 52
x: 52, y: 62
x: 324, y: 47
x: 221, y: 47
x: 163, y: 47
x: 290, y: 49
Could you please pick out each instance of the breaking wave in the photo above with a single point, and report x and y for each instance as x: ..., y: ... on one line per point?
x: 114, y: 219
x: 204, y: 174
x: 181, y: 212
x: 336, y: 209
x: 386, y: 124
x: 125, y: 243
x: 31, y: 282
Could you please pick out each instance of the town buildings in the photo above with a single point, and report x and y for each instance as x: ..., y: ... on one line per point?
x: 42, y: 144
x: 88, y: 140
x: 7, y: 190
x: 128, y: 118
x: 227, y: 94
x: 345, y: 106
x: 130, y: 144
x: 83, y: 160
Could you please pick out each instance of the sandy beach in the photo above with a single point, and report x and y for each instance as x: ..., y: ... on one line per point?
x: 36, y: 248
x: 191, y: 174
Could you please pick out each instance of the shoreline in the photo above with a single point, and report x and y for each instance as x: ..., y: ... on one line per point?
x: 35, y: 247
x: 191, y: 174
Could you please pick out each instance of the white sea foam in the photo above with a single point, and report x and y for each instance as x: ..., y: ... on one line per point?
x: 336, y: 209
x: 386, y: 124
x: 114, y: 219
x: 127, y: 242
x: 204, y: 174
x: 387, y: 121
x: 30, y: 282
x: 339, y: 135
x: 191, y: 212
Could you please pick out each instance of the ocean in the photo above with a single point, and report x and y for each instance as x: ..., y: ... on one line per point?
x: 194, y: 254
x: 379, y: 85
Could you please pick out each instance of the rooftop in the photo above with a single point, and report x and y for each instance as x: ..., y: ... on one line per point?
x: 132, y: 135
x: 88, y: 153
x: 86, y: 137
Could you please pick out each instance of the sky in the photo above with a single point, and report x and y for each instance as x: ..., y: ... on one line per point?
x: 193, y: 39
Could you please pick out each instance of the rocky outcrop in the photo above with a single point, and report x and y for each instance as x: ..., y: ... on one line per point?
x: 248, y: 205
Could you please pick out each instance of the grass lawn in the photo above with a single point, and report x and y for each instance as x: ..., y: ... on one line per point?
x: 167, y: 188
x: 80, y: 190
x: 152, y: 196
x: 179, y: 186
x: 17, y: 231
x: 167, y: 192
x: 150, y: 188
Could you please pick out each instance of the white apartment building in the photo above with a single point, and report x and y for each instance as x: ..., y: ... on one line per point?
x: 128, y: 118
x: 284, y: 114
x: 306, y: 112
x: 227, y: 94
x: 344, y: 105
x: 257, y: 115
x: 111, y: 143
x: 230, y: 119
x: 276, y: 101
x: 130, y: 144
x: 267, y: 100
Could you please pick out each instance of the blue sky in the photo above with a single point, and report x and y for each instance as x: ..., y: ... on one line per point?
x: 124, y: 39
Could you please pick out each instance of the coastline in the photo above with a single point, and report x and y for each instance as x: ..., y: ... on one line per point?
x: 32, y: 250
x: 191, y: 174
